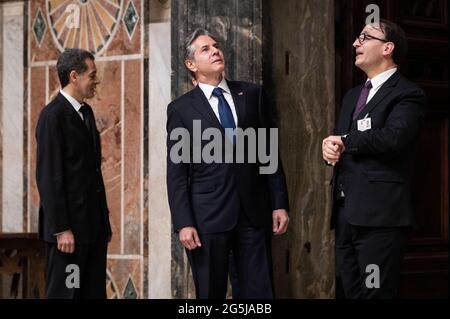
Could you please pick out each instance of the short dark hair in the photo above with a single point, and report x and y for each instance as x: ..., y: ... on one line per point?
x: 393, y: 33
x: 72, y: 60
x: 189, y: 50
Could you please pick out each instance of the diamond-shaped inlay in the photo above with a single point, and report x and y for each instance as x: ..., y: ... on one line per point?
x: 130, y: 290
x: 130, y: 19
x: 111, y: 288
x: 39, y: 26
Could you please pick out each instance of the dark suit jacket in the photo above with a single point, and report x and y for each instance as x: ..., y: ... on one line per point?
x: 68, y: 175
x: 376, y: 167
x: 210, y: 196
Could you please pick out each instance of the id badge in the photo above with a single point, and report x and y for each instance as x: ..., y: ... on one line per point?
x: 364, y: 124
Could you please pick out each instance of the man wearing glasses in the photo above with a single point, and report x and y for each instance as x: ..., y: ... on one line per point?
x: 372, y: 151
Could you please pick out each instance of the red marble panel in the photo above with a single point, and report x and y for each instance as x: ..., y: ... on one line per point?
x: 53, y: 83
x: 106, y: 106
x: 121, y: 44
x: 132, y: 161
x: 121, y: 271
x: 47, y: 50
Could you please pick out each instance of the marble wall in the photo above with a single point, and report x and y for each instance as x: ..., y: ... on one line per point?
x: 300, y: 73
x: 12, y: 117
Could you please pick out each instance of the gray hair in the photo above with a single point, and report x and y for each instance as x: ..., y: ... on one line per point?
x: 189, y: 49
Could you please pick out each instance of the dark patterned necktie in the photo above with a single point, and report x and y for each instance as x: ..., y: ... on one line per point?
x: 86, y: 116
x: 362, y: 100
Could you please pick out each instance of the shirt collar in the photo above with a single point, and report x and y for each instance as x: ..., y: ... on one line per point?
x: 208, y: 89
x: 76, y: 105
x: 379, y: 79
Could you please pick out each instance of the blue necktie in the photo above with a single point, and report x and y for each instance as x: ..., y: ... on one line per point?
x: 225, y: 115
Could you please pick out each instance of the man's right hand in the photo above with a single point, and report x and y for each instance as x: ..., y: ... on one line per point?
x: 189, y: 238
x: 66, y: 242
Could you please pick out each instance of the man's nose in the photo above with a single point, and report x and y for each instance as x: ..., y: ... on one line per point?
x: 356, y: 43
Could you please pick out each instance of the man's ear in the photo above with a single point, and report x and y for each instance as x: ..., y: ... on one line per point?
x: 190, y: 64
x: 73, y: 76
x: 388, y: 48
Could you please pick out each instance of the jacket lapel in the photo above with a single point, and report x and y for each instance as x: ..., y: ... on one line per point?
x: 345, y: 119
x: 75, y: 118
x: 201, y: 104
x: 384, y: 91
x: 239, y: 102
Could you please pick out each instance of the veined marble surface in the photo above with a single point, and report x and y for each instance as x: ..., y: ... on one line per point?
x: 12, y: 117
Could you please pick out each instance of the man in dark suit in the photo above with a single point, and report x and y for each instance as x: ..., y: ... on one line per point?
x: 233, y: 277
x: 372, y: 152
x: 218, y: 206
x: 73, y: 214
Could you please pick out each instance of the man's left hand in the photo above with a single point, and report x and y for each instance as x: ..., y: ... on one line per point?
x: 280, y: 220
x: 332, y: 149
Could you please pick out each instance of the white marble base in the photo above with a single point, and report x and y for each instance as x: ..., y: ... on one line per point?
x: 159, y: 250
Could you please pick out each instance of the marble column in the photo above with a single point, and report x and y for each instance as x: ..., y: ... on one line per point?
x: 300, y: 56
x: 12, y: 116
x: 237, y: 24
x: 159, y: 229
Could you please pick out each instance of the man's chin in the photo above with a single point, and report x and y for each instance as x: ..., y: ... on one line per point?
x: 220, y: 68
x: 90, y: 95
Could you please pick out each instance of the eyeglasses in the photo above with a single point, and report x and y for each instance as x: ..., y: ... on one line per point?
x: 364, y: 36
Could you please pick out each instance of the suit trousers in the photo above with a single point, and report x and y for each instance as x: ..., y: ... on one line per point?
x: 252, y: 253
x: 90, y: 260
x: 363, y: 251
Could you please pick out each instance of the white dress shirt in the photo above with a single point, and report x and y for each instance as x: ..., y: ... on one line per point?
x: 214, y: 101
x: 378, y: 80
x: 76, y: 105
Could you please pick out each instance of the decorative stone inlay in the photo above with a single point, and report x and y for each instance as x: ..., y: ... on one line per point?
x: 130, y: 19
x: 39, y: 27
x: 130, y: 290
x: 86, y: 24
